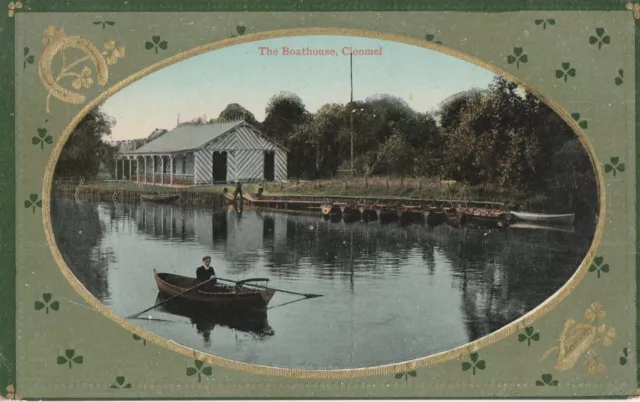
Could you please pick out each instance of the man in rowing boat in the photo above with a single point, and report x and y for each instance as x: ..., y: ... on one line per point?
x: 206, y: 272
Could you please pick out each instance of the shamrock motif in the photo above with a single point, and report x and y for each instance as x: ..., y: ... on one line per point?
x: 547, y: 379
x: 475, y: 363
x: 70, y: 358
x: 138, y: 338
x: 606, y: 334
x: 517, y: 57
x: 104, y: 23
x: 13, y: 7
x: 601, y: 39
x: 120, y: 383
x: 199, y: 369
x: 598, y: 266
x: 594, y: 311
x: 33, y: 202
x: 46, y: 297
x: 625, y: 356
x: 51, y: 34
x: 28, y: 58
x: 431, y: 37
x: 620, y: 78
x: 566, y: 72
x: 406, y: 375
x: 83, y: 79
x: 592, y: 363
x: 112, y: 53
x: 614, y: 166
x: 545, y: 22
x: 529, y: 334
x: 582, y: 123
x: 42, y: 138
x: 156, y: 43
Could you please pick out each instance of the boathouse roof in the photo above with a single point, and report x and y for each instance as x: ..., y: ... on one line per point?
x: 187, y: 137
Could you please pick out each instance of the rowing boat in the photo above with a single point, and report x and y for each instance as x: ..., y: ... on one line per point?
x: 160, y: 197
x: 220, y: 295
x: 548, y: 218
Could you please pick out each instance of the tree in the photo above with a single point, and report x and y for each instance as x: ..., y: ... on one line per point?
x: 283, y: 113
x: 85, y: 148
x: 398, y: 155
x: 234, y: 111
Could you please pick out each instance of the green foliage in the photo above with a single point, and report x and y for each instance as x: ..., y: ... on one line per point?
x: 85, y: 150
x: 547, y: 380
x: 156, y: 43
x: 234, y: 111
x: 599, y: 266
x: 601, y: 38
x: 47, y: 303
x: 530, y: 334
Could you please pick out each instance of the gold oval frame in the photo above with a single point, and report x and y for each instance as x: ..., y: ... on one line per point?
x: 549, y: 304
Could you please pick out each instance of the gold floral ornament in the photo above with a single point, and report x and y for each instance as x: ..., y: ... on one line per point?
x: 11, y: 394
x: 580, y: 338
x: 635, y: 7
x: 13, y: 7
x: 57, y: 42
x: 112, y: 53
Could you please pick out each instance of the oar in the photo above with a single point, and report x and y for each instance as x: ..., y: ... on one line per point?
x: 308, y: 295
x: 171, y: 298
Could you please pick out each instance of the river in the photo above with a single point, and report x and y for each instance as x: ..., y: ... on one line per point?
x: 391, y: 293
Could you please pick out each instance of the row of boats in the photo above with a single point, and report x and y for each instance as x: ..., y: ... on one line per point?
x: 433, y: 216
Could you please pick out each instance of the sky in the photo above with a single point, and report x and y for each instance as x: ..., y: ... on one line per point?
x: 207, y: 83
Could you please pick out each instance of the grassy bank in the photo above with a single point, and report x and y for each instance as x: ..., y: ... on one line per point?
x: 376, y: 187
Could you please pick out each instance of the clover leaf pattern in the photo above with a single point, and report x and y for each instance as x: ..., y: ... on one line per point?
x: 33, y: 202
x: 620, y: 78
x: 432, y: 38
x: 581, y: 122
x: 199, y: 369
x: 69, y: 358
x: 28, y: 58
x: 601, y: 38
x: 598, y: 266
x: 47, y: 304
x: 530, y: 334
x: 156, y: 43
x: 517, y: 57
x: 140, y: 339
x: 406, y: 375
x: 42, y: 138
x: 475, y: 364
x: 120, y: 383
x: 615, y: 166
x: 104, y: 23
x: 625, y: 356
x: 547, y: 379
x: 566, y: 72
x: 544, y: 22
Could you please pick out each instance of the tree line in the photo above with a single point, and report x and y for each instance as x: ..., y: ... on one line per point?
x: 501, y: 137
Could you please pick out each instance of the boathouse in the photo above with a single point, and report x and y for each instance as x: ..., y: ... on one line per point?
x: 221, y: 152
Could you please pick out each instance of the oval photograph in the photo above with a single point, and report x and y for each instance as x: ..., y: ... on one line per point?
x: 323, y: 202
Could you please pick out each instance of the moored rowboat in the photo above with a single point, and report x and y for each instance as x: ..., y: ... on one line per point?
x: 220, y: 295
x: 548, y: 218
x: 160, y: 197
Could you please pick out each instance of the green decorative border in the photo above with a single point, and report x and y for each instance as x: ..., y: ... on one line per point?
x: 7, y: 107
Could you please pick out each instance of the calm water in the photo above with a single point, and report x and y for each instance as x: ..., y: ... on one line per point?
x: 392, y: 293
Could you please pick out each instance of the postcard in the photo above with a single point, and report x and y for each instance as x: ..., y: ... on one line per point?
x: 318, y: 199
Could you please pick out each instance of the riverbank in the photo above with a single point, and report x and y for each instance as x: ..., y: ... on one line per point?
x: 356, y: 188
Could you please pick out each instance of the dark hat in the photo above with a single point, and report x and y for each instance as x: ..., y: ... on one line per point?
x: 206, y: 258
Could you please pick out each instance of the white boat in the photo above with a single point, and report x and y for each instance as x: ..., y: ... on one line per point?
x: 566, y: 219
x: 524, y: 225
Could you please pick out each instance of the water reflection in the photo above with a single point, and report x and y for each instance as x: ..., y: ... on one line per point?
x: 433, y: 287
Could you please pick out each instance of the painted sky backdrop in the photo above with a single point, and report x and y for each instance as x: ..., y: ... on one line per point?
x: 206, y: 84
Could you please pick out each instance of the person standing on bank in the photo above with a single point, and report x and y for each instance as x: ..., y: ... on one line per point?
x: 205, y: 272
x: 237, y: 191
